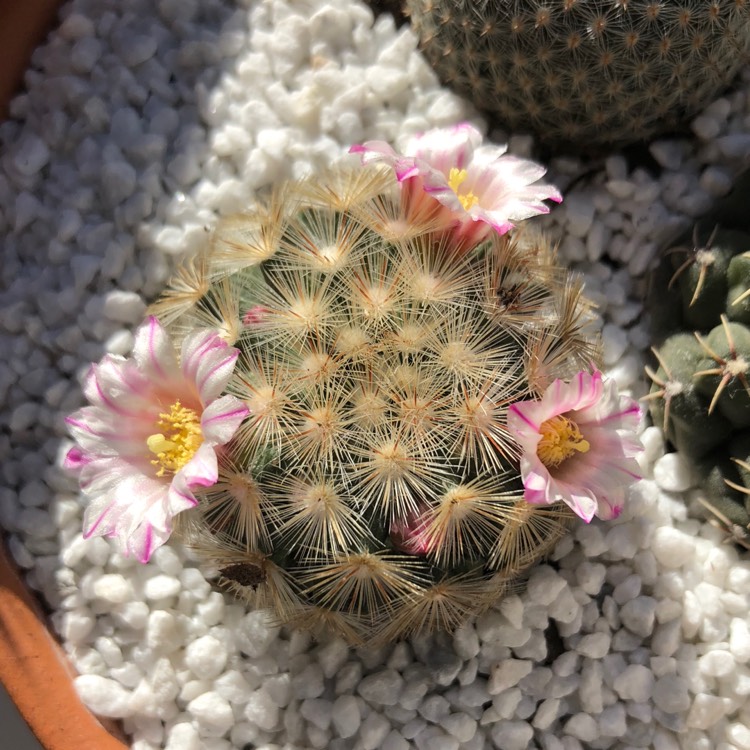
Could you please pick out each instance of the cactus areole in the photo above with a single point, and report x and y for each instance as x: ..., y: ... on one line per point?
x: 335, y: 437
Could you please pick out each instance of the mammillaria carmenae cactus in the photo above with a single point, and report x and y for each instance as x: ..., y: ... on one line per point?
x: 397, y: 437
x: 701, y: 387
x: 585, y: 71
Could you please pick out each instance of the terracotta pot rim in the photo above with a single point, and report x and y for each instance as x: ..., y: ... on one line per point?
x: 38, y: 677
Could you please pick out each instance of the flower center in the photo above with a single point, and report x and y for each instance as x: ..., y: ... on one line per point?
x: 180, y: 438
x: 455, y: 178
x: 561, y: 438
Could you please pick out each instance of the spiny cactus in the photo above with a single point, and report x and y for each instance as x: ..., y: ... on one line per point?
x: 585, y: 71
x: 377, y: 401
x: 377, y: 361
x: 700, y: 303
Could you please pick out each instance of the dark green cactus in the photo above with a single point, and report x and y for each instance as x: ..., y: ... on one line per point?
x: 726, y: 482
x: 678, y: 406
x: 700, y: 393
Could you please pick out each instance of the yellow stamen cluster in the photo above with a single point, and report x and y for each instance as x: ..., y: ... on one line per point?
x: 455, y: 178
x: 180, y: 438
x: 561, y: 439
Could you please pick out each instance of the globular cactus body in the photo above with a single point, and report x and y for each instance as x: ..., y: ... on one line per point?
x: 701, y: 387
x: 377, y: 361
x: 585, y: 71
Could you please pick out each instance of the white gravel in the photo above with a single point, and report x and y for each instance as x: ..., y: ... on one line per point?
x: 143, y: 122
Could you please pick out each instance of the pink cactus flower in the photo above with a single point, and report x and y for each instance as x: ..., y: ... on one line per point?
x: 254, y: 315
x: 480, y: 187
x: 150, y: 434
x: 410, y: 534
x: 578, y: 445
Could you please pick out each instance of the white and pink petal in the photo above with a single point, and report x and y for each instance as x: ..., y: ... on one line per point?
x: 222, y: 418
x: 154, y: 352
x: 202, y: 470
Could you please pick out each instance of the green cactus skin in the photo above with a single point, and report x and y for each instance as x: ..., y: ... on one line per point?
x: 701, y: 387
x: 701, y: 397
x: 701, y: 275
x: 377, y: 359
x: 678, y: 406
x: 726, y: 482
x: 738, y: 282
x: 585, y: 72
x: 722, y: 376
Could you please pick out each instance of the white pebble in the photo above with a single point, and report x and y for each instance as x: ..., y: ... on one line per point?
x: 118, y: 181
x: 671, y: 694
x: 279, y: 688
x: 113, y: 588
x: 213, y: 713
x: 667, y: 637
x: 309, y: 683
x: 653, y: 443
x: 638, y: 615
x: 705, y: 711
x: 31, y: 155
x: 161, y: 587
x: 76, y: 625
x: 345, y: 715
x: 706, y: 127
x: 381, y: 687
x: 460, y: 725
x: 547, y: 712
x: 613, y: 721
x: 579, y: 213
x: 672, y: 473
x: 672, y: 547
x: 123, y: 307
x: 734, y: 146
x: 739, y: 734
x: 257, y: 632
x: 138, y: 49
x: 623, y: 541
x: 620, y: 189
x: 103, y: 696
x: 512, y: 608
x: 333, y: 656
x: 669, y: 154
x: 594, y: 645
x: 317, y: 711
x: 582, y: 726
x: 183, y: 736
x: 716, y: 181
x: 206, y: 657
x: 466, y: 641
x: 507, y: 674
x: 373, y: 730
x: 635, y: 683
x: 614, y: 343
x: 394, y: 741
x: 544, y: 585
x: 718, y: 663
x: 739, y: 640
x: 512, y: 735
x: 133, y: 614
x: 162, y: 631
